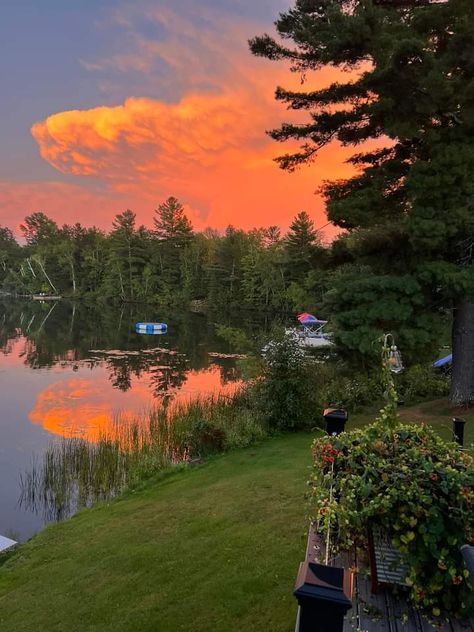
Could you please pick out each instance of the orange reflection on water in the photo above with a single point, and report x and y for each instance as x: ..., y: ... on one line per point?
x: 84, y: 407
x: 87, y: 408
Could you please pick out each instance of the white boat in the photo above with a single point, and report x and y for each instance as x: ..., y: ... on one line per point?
x: 311, y: 333
x: 316, y: 340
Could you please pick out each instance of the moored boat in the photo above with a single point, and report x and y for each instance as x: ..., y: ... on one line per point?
x: 310, y: 333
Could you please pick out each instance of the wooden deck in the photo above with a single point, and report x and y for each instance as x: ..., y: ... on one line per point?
x: 386, y: 611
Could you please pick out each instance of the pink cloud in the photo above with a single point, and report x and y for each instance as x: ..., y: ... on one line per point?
x: 66, y: 203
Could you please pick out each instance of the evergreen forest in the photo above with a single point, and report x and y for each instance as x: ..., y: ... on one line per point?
x: 169, y: 264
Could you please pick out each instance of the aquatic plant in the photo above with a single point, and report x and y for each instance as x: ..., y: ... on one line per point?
x: 75, y: 472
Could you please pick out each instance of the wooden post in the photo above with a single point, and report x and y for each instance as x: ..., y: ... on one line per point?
x: 324, y: 595
x: 458, y: 430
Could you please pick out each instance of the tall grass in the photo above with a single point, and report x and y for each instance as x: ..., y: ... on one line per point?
x: 74, y: 473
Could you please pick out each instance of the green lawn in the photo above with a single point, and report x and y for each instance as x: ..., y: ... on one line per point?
x: 212, y: 548
x: 215, y: 548
x: 438, y: 413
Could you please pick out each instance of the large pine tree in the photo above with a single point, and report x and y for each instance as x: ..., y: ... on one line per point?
x: 126, y: 257
x: 410, y: 87
x: 174, y: 232
x: 171, y: 223
x: 301, y: 242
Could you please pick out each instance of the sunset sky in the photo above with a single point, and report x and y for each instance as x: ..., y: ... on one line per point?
x: 109, y: 105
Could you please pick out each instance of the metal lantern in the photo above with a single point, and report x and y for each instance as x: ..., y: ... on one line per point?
x: 395, y: 360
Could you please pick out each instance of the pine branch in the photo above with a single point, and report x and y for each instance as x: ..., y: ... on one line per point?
x: 290, y: 162
x: 266, y: 46
x: 335, y: 93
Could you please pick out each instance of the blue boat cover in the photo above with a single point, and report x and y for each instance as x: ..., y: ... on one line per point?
x: 443, y: 361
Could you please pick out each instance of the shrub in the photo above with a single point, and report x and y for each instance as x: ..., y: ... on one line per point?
x: 294, y: 387
x: 415, y: 486
x: 334, y: 388
x: 244, y: 430
x: 283, y: 394
x: 421, y: 382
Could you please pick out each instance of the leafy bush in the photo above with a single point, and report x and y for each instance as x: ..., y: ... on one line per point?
x: 421, y: 382
x: 416, y: 487
x: 294, y: 387
x: 243, y: 430
x: 283, y: 394
x: 334, y: 388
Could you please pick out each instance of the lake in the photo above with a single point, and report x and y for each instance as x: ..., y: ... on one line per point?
x: 67, y: 370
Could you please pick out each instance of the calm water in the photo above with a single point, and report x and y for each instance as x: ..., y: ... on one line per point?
x: 66, y: 370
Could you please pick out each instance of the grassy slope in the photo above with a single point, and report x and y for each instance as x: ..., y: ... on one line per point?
x: 213, y: 548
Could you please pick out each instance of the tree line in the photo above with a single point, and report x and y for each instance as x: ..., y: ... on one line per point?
x: 169, y: 263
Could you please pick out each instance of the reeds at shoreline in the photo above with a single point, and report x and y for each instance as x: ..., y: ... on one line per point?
x: 74, y: 473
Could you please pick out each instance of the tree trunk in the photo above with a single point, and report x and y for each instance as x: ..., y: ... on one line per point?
x: 38, y: 261
x: 73, y: 276
x: 462, y: 380
x: 130, y: 275
x: 122, y: 289
x: 72, y: 318
x: 31, y: 267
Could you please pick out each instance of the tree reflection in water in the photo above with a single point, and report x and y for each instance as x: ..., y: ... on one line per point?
x: 69, y: 335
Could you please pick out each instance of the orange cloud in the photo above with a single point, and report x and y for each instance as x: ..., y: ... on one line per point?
x: 207, y: 147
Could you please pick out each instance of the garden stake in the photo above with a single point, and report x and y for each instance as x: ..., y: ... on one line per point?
x: 326, y: 561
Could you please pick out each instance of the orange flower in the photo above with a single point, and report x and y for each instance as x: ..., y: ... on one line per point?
x: 466, y: 492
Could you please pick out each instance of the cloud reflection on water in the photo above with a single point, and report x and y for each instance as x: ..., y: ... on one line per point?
x: 87, y: 407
